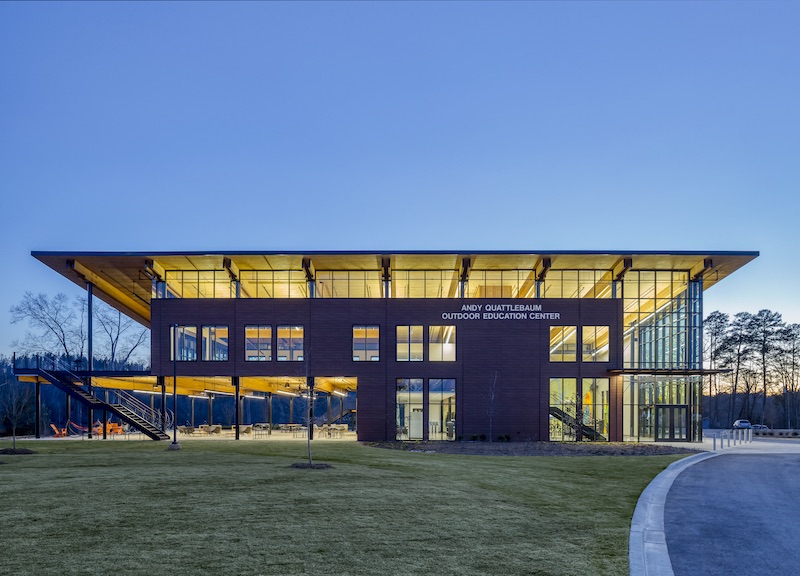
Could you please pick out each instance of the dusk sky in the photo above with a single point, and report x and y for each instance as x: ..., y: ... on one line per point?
x: 402, y: 126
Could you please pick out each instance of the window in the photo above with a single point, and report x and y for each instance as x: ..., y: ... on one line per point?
x: 199, y: 284
x: 184, y: 338
x: 441, y: 343
x: 441, y: 409
x: 258, y: 343
x: 273, y: 284
x: 409, y: 343
x: 409, y: 415
x: 366, y: 343
x: 594, y: 406
x: 563, y: 344
x: 349, y: 284
x: 563, y: 408
x: 425, y: 284
x: 215, y: 343
x: 595, y: 344
x: 290, y: 343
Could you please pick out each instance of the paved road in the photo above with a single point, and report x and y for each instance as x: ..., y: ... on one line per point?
x: 735, y: 511
x: 736, y: 514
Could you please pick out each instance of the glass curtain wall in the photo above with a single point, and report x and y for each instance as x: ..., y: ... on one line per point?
x: 577, y: 284
x: 273, y: 284
x: 501, y: 284
x: 349, y: 284
x: 661, y: 331
x: 425, y: 284
x: 197, y: 284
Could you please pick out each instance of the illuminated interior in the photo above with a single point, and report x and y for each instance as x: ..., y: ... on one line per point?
x: 659, y: 293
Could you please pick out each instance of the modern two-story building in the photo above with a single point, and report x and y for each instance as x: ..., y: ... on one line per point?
x: 439, y: 345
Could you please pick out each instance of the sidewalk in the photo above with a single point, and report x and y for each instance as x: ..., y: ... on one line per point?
x: 720, y: 513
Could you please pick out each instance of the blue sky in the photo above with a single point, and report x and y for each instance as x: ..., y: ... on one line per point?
x: 402, y: 125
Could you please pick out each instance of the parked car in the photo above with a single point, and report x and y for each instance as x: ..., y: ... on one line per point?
x: 742, y: 424
x: 760, y: 427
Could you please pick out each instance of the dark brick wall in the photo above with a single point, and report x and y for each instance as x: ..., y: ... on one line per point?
x: 515, y: 351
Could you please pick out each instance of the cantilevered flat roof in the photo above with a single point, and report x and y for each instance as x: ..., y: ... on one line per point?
x: 123, y: 279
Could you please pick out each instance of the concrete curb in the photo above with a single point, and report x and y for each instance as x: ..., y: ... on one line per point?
x: 647, y: 548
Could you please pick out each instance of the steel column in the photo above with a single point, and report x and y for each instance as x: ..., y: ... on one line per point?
x: 237, y: 405
x: 269, y: 413
x: 89, y: 351
x: 38, y: 410
x: 160, y: 381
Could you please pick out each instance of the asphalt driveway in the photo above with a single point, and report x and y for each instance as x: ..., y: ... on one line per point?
x: 736, y: 514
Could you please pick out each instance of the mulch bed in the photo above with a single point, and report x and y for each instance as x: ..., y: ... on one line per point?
x: 314, y: 466
x: 12, y: 451
x: 536, y: 448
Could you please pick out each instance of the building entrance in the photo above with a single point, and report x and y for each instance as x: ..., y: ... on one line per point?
x: 671, y: 423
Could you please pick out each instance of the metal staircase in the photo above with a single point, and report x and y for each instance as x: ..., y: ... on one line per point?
x: 570, y: 421
x: 125, y: 406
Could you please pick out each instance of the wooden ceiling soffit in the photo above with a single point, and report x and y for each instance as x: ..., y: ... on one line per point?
x: 139, y: 309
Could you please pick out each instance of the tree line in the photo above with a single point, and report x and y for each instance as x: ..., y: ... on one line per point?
x: 754, y: 359
x: 758, y: 359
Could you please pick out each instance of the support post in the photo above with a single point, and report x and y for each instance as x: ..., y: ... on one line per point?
x: 68, y: 409
x: 175, y: 445
x: 269, y: 413
x: 210, y: 408
x: 160, y: 381
x: 105, y: 418
x: 191, y: 422
x: 89, y: 352
x: 38, y: 410
x: 310, y: 385
x: 237, y: 406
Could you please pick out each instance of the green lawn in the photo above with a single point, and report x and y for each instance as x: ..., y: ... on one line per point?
x: 226, y: 507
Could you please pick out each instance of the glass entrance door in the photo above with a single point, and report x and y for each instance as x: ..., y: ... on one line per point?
x: 671, y: 422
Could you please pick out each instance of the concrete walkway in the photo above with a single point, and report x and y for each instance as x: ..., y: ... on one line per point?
x: 719, y: 513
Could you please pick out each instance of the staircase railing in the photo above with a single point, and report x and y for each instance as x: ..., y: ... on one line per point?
x: 140, y: 409
x: 124, y: 399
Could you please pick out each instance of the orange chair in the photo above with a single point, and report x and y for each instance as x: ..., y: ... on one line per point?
x: 58, y: 432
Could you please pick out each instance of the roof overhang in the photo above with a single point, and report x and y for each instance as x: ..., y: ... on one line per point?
x: 124, y: 279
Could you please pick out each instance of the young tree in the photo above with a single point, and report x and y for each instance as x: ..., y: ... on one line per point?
x: 15, y: 404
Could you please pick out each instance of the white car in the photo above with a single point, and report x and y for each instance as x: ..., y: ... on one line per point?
x: 742, y: 424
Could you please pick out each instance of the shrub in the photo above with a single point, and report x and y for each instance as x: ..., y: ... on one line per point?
x: 483, y: 437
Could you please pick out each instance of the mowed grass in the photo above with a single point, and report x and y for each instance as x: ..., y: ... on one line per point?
x: 226, y: 507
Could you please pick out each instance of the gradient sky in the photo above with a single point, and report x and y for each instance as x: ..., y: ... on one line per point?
x: 402, y: 125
